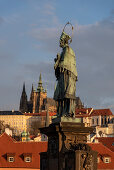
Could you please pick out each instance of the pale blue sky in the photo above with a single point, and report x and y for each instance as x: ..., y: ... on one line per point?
x: 29, y: 41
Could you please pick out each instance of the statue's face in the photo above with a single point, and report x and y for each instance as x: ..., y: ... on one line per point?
x: 61, y: 43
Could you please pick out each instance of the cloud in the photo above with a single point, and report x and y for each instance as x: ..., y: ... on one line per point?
x: 1, y: 20
x: 93, y: 45
x: 47, y: 38
x: 94, y: 49
x: 49, y: 9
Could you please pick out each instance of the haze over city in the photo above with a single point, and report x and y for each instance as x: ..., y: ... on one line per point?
x: 29, y: 42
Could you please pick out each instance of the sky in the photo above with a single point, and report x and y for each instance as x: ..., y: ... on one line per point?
x: 29, y: 42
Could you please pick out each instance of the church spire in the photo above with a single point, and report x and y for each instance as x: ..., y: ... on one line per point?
x: 40, y: 87
x: 40, y: 79
x: 24, y: 88
x: 23, y: 101
x: 31, y: 95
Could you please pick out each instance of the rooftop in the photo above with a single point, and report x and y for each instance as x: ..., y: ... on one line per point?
x: 19, y: 150
x: 102, y: 112
x: 103, y: 151
x: 87, y: 112
x: 11, y: 112
x: 107, y: 141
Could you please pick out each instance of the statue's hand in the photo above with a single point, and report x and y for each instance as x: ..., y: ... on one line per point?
x: 58, y: 56
x: 57, y: 61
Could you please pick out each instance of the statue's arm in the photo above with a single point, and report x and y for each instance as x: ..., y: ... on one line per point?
x: 57, y: 59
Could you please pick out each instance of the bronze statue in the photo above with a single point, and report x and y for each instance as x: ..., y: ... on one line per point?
x: 66, y: 74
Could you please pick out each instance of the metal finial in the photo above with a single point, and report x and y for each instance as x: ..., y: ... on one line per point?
x: 68, y: 23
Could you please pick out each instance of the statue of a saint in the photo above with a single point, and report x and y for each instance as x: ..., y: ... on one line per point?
x: 66, y: 75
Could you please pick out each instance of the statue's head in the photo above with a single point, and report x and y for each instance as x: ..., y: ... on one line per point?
x: 64, y: 39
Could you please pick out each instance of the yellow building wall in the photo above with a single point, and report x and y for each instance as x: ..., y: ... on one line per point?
x: 22, y: 123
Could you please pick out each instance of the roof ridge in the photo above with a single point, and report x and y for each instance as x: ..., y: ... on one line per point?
x: 5, y: 134
x: 103, y: 146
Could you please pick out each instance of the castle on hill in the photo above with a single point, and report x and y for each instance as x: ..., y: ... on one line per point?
x: 38, y: 100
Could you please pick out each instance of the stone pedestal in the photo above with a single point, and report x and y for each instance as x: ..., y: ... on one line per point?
x: 67, y: 148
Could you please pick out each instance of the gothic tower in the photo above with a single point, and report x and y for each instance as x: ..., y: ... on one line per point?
x: 39, y: 97
x: 23, y: 101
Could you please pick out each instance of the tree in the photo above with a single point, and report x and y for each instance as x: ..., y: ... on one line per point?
x: 35, y: 127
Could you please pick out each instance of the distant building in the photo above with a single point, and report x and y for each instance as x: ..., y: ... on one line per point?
x: 95, y: 117
x: 79, y: 104
x: 15, y: 119
x: 38, y: 100
x: 100, y: 119
x: 20, y: 122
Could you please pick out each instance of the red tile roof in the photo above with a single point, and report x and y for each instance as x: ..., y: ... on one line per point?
x: 103, y: 151
x: 102, y: 112
x: 87, y: 112
x: 40, y: 114
x: 84, y: 112
x: 107, y: 141
x: 8, y: 145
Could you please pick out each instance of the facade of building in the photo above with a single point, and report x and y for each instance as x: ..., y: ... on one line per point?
x: 20, y: 122
x: 100, y: 119
x: 95, y: 117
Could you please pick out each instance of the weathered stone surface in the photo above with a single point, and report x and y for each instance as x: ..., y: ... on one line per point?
x: 67, y: 147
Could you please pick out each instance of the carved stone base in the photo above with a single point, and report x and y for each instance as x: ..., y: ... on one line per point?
x: 67, y: 148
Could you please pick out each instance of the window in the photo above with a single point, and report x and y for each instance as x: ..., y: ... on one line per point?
x: 27, y: 159
x: 105, y: 120
x: 93, y: 121
x: 102, y: 121
x: 98, y: 160
x: 10, y: 159
x: 97, y: 121
x: 107, y: 160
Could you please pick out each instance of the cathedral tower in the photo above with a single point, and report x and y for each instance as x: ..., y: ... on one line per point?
x: 23, y: 101
x: 39, y: 97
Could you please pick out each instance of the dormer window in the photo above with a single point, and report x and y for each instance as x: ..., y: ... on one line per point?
x: 107, y: 160
x: 10, y: 159
x: 27, y: 157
